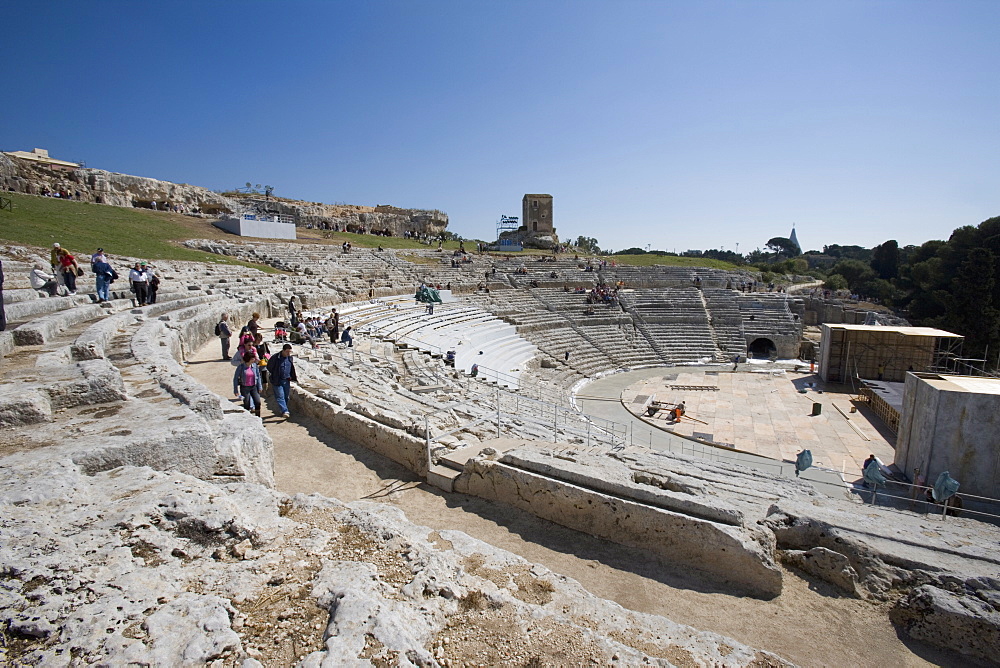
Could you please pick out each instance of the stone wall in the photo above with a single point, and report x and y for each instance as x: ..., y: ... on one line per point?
x: 946, y: 427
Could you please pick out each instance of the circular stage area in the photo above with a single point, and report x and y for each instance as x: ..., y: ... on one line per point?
x: 769, y: 412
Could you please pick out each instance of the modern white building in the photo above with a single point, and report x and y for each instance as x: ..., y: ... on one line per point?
x: 263, y: 226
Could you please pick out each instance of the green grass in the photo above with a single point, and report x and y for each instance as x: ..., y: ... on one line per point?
x: 82, y: 227
x: 370, y: 241
x: 649, y: 259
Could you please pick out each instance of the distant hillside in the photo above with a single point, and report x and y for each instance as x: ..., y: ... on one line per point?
x: 138, y: 192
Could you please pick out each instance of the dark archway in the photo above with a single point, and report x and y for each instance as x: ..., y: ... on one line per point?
x: 762, y: 349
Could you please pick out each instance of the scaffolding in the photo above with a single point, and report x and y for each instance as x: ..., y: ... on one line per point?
x: 505, y: 225
x: 884, y: 353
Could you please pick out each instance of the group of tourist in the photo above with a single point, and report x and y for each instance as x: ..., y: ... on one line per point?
x: 603, y: 294
x: 256, y: 367
x: 61, y: 194
x: 65, y: 269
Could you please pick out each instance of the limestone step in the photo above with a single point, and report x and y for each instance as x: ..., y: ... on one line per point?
x: 442, y: 478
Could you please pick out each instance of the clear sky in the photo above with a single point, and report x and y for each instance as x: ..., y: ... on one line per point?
x: 683, y: 125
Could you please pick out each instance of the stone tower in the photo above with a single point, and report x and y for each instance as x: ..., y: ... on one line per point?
x: 536, y: 214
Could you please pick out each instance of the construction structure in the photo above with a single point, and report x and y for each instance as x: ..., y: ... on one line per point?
x: 951, y: 423
x: 883, y: 353
x: 507, y: 228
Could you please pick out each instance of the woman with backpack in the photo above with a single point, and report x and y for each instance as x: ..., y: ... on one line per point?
x: 247, y: 383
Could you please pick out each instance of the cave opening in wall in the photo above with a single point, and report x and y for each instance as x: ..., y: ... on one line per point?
x: 762, y: 349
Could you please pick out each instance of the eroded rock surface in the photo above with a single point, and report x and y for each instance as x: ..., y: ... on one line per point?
x: 137, y: 565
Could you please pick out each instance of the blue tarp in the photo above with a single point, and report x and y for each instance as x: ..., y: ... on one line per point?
x: 873, y: 474
x: 427, y: 295
x: 803, y: 461
x: 944, y: 487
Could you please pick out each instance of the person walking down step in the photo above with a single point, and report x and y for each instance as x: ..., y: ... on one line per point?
x: 247, y: 383
x: 281, y: 370
x: 70, y: 270
x: 104, y: 275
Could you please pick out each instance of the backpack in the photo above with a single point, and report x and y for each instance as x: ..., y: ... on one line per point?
x: 218, y: 331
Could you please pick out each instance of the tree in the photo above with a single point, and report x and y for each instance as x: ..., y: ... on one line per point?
x: 587, y: 245
x: 848, y: 252
x: 835, y: 282
x: 855, y: 272
x: 885, y: 259
x: 971, y: 311
x: 783, y: 247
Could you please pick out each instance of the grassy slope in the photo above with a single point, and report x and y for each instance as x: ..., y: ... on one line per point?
x: 82, y: 227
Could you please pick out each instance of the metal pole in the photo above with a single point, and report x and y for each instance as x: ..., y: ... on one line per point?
x: 427, y: 437
x: 555, y: 422
x: 944, y: 513
x: 498, y: 412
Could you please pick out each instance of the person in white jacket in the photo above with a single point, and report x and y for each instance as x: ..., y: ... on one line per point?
x: 42, y: 281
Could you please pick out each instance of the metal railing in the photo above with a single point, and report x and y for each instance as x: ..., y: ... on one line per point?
x: 948, y: 507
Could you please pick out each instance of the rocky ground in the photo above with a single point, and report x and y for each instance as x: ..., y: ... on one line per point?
x: 134, y: 565
x: 145, y: 518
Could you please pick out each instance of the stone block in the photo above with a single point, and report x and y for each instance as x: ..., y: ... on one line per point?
x: 959, y: 622
x: 20, y: 406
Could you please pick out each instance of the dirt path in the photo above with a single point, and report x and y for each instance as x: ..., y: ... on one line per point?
x: 808, y: 624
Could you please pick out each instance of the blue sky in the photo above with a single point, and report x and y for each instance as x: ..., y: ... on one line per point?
x: 676, y: 124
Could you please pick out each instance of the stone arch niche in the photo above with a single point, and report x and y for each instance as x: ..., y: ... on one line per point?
x: 762, y: 348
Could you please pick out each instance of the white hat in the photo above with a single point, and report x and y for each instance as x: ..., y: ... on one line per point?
x: 55, y: 245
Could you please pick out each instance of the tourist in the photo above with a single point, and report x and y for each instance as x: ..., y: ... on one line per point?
x: 281, y: 369
x: 291, y: 310
x: 247, y: 383
x: 222, y: 331
x: 104, y: 276
x: 347, y: 338
x: 263, y: 354
x: 152, y: 283
x: 333, y: 326
x: 54, y: 257
x: 246, y: 346
x: 99, y: 256
x: 253, y: 325
x: 304, y: 334
x: 137, y: 277
x: 41, y: 281
x: 70, y: 270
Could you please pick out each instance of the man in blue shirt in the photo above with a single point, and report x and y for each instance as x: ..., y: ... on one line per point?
x: 281, y: 371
